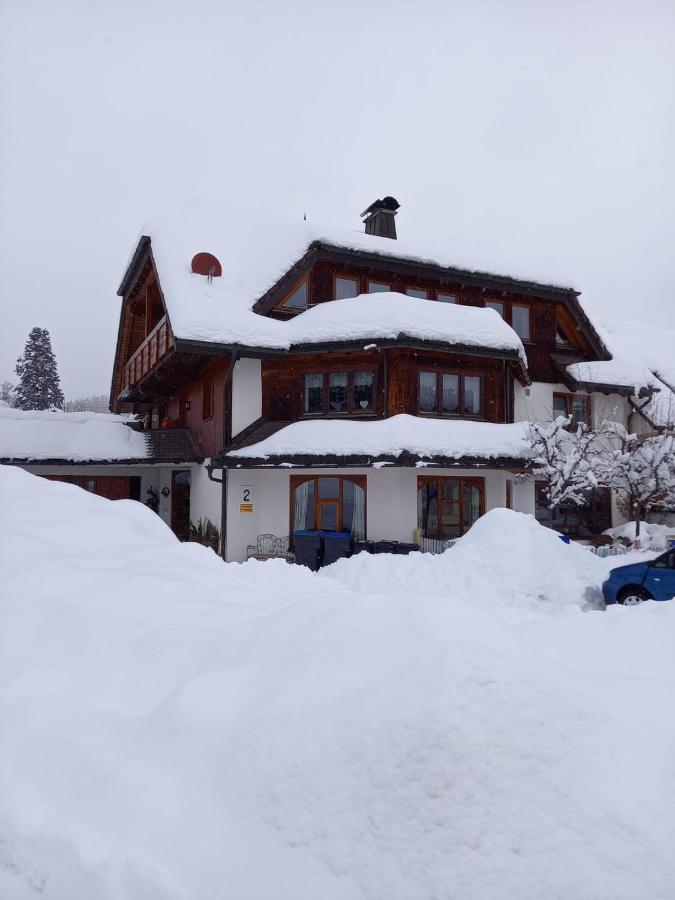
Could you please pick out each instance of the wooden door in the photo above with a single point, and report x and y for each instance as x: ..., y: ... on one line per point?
x: 180, y: 504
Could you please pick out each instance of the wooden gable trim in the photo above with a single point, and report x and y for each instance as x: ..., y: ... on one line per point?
x: 136, y: 274
x: 412, y: 270
x: 285, y: 285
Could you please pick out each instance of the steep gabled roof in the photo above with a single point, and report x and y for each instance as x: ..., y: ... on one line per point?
x: 256, y: 260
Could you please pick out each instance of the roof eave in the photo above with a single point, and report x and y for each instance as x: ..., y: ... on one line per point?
x: 188, y: 345
x: 488, y: 280
x: 403, y: 460
x: 136, y: 261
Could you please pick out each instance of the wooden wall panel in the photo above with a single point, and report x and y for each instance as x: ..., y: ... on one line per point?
x: 543, y: 312
x: 283, y: 380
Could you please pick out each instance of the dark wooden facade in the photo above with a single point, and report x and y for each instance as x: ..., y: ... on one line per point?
x: 396, y: 381
x: 191, y: 386
x: 547, y: 315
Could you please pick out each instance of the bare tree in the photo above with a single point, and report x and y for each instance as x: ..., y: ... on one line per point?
x: 639, y: 468
x: 95, y: 403
x: 566, y: 460
x: 8, y: 393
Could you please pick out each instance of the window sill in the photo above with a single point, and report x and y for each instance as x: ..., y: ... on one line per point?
x: 450, y: 416
x: 371, y: 414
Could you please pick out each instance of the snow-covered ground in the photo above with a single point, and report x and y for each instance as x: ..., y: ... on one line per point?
x: 466, y: 726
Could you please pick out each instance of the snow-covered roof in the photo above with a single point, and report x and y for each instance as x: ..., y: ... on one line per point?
x: 393, y: 437
x: 643, y: 356
x: 253, y: 259
x: 618, y: 372
x: 389, y: 315
x: 73, y: 437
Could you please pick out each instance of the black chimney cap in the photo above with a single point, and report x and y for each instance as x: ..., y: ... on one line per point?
x: 389, y: 203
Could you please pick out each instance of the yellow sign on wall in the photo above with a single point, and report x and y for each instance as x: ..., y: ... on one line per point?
x: 245, y: 507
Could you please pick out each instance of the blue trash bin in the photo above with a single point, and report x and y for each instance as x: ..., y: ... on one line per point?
x: 336, y: 545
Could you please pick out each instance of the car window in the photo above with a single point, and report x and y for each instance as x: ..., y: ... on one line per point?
x: 667, y: 561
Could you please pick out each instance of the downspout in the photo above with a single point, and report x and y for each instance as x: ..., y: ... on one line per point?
x: 226, y: 438
x: 385, y: 397
x: 506, y: 392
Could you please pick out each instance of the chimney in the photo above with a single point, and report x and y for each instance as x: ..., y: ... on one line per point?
x: 380, y: 218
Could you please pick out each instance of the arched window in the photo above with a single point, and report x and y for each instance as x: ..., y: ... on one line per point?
x: 329, y: 503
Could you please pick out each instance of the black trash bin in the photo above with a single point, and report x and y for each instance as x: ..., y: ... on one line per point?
x: 308, y: 549
x: 385, y: 546
x: 362, y: 547
x: 336, y: 545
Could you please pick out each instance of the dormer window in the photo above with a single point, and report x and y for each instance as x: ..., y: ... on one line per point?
x: 346, y: 287
x: 517, y: 315
x: 520, y: 321
x: 561, y: 338
x: 297, y: 300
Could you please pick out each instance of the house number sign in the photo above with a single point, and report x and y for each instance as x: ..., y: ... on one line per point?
x: 246, y: 499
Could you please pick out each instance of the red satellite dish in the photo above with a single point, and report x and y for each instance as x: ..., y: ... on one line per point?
x: 206, y: 264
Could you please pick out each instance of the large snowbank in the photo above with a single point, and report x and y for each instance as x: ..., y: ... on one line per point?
x: 507, y: 559
x: 178, y: 728
x: 253, y: 258
x: 77, y: 437
x: 425, y: 438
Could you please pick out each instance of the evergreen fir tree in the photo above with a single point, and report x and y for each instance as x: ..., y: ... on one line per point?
x: 39, y: 386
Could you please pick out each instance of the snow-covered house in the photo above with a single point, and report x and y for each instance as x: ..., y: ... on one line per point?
x: 106, y: 454
x: 347, y: 381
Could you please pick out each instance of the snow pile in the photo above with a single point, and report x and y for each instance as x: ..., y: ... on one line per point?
x: 253, y: 258
x: 506, y: 560
x: 426, y: 438
x: 178, y: 728
x: 77, y: 437
x: 652, y: 536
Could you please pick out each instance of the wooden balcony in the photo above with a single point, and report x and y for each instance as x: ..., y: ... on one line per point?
x: 152, y: 351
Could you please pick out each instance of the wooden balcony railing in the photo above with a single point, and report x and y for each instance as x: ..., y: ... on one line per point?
x: 144, y: 358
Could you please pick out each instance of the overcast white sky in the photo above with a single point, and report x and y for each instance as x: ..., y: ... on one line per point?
x: 532, y: 132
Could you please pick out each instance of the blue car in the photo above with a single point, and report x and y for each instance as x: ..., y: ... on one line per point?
x: 653, y: 580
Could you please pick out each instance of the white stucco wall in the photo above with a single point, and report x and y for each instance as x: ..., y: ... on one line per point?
x: 391, y: 509
x: 537, y: 406
x: 205, y: 496
x: 246, y: 394
x: 535, y: 402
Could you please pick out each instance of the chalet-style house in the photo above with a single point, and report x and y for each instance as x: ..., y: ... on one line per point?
x: 344, y: 381
x: 297, y: 378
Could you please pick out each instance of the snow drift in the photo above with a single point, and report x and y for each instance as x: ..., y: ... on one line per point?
x: 506, y: 560
x: 174, y: 727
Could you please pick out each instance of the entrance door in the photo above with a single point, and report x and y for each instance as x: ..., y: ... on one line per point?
x: 180, y: 504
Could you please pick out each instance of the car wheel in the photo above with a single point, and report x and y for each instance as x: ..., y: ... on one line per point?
x: 633, y: 596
